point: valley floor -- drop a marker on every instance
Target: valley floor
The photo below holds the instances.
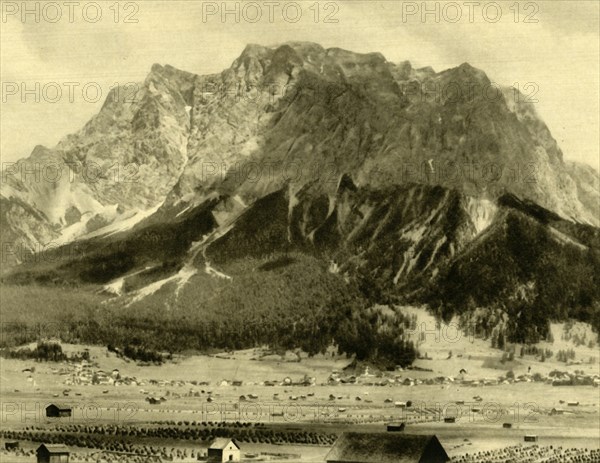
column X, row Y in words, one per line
column 208, row 393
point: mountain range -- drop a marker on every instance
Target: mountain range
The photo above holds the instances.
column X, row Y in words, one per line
column 204, row 193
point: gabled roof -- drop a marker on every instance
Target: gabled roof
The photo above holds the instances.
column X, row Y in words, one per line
column 222, row 442
column 60, row 406
column 54, row 448
column 385, row 448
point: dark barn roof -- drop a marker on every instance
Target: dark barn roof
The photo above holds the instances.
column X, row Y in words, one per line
column 53, row 448
column 60, row 406
column 396, row 426
column 354, row 447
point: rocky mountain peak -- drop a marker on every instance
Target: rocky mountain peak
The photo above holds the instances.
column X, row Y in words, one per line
column 301, row 114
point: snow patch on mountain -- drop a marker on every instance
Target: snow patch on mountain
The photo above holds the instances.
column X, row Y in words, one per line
column 180, row 279
column 481, row 212
column 214, row 272
column 126, row 223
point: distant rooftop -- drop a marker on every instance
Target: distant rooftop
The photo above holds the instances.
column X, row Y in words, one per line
column 55, row 448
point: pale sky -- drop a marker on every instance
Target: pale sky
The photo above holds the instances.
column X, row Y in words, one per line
column 559, row 54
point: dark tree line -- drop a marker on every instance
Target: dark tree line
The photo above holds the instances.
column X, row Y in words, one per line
column 44, row 351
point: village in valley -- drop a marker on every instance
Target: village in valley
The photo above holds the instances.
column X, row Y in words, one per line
column 461, row 402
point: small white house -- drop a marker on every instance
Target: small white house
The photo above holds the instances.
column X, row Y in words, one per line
column 224, row 449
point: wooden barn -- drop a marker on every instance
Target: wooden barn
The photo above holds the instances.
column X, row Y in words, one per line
column 224, row 449
column 58, row 410
column 52, row 453
column 357, row 447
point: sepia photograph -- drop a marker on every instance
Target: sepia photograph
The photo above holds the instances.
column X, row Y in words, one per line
column 311, row 231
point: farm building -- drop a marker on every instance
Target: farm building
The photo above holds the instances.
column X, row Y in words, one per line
column 396, row 427
column 11, row 445
column 58, row 410
column 530, row 438
column 223, row 449
column 507, row 425
column 450, row 419
column 386, row 448
column 52, row 453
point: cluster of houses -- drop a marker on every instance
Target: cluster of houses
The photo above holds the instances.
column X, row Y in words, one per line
column 563, row 378
column 554, row 378
column 167, row 382
column 287, row 381
column 397, row 380
column 84, row 373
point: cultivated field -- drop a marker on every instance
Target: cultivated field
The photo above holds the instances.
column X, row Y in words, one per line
column 176, row 407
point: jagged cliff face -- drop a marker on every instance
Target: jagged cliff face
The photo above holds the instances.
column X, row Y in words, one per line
column 118, row 167
column 138, row 140
column 298, row 113
column 587, row 182
column 297, row 118
column 391, row 234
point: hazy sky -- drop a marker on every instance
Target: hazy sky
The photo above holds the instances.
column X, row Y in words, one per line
column 559, row 54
